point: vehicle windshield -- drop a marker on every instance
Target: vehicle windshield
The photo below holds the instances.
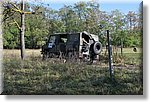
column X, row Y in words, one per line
column 51, row 41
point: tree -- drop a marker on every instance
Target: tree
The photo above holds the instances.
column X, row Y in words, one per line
column 10, row 8
column 82, row 16
column 1, row 40
column 36, row 28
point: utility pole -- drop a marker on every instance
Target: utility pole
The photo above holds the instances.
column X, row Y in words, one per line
column 22, row 30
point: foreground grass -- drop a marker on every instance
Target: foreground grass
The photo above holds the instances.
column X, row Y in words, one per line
column 33, row 76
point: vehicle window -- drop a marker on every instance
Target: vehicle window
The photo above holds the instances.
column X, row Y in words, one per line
column 63, row 40
column 73, row 38
column 52, row 39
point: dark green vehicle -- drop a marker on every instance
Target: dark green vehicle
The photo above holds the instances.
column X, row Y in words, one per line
column 80, row 45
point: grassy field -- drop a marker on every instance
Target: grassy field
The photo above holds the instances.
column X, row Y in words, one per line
column 34, row 76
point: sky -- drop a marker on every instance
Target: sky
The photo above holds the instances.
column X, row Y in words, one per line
column 105, row 5
column 123, row 7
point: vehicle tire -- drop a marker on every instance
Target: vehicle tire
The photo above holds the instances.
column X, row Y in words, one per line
column 97, row 48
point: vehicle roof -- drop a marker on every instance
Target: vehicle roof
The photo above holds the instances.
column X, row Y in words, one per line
column 84, row 32
column 72, row 33
column 64, row 33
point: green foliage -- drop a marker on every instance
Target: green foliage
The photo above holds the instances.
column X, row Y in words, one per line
column 11, row 37
column 79, row 17
column 132, row 40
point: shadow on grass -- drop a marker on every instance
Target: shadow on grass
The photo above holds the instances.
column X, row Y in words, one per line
column 47, row 78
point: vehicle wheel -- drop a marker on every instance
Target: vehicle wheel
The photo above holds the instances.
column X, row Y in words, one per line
column 97, row 48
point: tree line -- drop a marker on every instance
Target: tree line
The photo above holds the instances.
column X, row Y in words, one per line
column 125, row 29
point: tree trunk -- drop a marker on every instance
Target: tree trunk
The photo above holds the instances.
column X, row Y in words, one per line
column 22, row 42
column 121, row 47
column 1, row 52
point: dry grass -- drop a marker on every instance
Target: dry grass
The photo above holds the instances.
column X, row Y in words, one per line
column 36, row 52
column 125, row 50
column 34, row 76
column 16, row 53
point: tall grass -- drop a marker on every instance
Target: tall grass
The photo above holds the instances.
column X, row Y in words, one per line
column 34, row 76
